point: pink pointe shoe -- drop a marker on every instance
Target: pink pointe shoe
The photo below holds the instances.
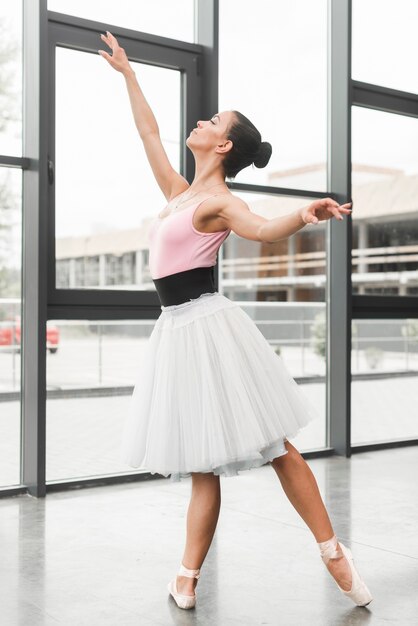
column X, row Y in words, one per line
column 358, row 593
column 182, row 600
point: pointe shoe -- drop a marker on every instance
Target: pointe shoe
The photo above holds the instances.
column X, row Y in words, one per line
column 182, row 600
column 359, row 592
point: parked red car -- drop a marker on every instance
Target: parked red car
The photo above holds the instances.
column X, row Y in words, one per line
column 8, row 328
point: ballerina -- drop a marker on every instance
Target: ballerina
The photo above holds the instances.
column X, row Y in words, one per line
column 212, row 397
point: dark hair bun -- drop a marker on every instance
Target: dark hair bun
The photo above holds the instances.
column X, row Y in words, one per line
column 263, row 155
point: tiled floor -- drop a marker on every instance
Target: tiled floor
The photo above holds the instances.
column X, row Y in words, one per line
column 104, row 555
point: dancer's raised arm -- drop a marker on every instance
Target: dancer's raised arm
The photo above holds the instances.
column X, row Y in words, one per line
column 170, row 182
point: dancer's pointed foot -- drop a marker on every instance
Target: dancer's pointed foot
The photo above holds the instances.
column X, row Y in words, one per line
column 183, row 592
column 340, row 563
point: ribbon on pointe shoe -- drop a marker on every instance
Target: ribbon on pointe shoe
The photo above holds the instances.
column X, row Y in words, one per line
column 328, row 549
column 190, row 573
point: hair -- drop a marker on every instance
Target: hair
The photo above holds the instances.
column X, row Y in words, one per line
column 247, row 147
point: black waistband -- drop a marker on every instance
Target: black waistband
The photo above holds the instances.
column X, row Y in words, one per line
column 183, row 286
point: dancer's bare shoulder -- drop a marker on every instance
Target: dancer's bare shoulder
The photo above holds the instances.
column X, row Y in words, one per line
column 233, row 213
column 215, row 212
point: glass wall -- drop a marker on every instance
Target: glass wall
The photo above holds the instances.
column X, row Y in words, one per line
column 166, row 18
column 275, row 73
column 281, row 286
column 385, row 46
column 90, row 377
column 385, row 203
column 106, row 194
column 384, row 358
column 10, row 241
column 11, row 78
column 10, row 323
column 384, row 364
column 273, row 68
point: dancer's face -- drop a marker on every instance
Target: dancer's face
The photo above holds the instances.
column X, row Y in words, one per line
column 211, row 135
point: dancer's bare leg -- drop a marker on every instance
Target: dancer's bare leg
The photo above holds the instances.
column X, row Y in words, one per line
column 202, row 517
column 302, row 490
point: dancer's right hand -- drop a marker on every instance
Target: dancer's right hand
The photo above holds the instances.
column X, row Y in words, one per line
column 118, row 60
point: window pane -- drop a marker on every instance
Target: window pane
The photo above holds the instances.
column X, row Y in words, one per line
column 385, row 45
column 290, row 270
column 88, row 396
column 384, row 364
column 167, row 18
column 11, row 78
column 274, row 71
column 10, row 323
column 281, row 286
column 385, row 209
column 105, row 191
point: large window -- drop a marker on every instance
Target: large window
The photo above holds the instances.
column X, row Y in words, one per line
column 166, row 18
column 106, row 194
column 385, row 230
column 384, row 365
column 10, row 241
column 91, row 370
column 11, row 78
column 90, row 184
column 10, row 324
column 385, row 203
column 282, row 287
column 385, row 45
column 275, row 73
column 273, row 68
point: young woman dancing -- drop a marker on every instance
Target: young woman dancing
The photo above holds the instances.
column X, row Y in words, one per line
column 212, row 397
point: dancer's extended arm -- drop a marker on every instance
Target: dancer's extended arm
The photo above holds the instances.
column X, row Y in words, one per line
column 236, row 215
column 170, row 182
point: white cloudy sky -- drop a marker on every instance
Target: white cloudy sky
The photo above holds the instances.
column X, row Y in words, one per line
column 272, row 68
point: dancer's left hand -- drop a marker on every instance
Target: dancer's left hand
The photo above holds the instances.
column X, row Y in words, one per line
column 323, row 209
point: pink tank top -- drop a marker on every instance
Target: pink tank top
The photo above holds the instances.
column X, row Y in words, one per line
column 176, row 246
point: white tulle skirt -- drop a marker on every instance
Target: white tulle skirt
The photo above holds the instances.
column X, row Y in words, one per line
column 211, row 394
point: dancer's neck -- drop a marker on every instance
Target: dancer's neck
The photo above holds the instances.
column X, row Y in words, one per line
column 207, row 176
